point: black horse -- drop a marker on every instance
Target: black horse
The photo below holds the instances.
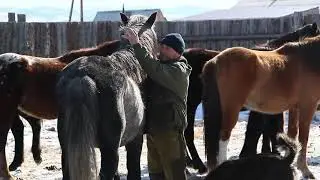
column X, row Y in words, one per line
column 269, row 126
column 100, row 105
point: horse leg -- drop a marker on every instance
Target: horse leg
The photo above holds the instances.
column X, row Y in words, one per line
column 305, row 118
column 294, row 114
column 110, row 128
column 7, row 120
column 196, row 161
column 4, row 174
column 61, row 136
column 189, row 132
column 276, row 126
column 266, row 142
column 134, row 149
column 109, row 161
column 267, row 133
column 17, row 131
column 36, row 128
column 229, row 120
column 253, row 133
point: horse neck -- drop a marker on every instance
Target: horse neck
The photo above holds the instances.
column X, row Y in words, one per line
column 307, row 51
column 104, row 49
column 276, row 43
column 198, row 57
column 126, row 62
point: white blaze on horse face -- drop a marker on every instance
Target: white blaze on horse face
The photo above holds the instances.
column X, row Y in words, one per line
column 223, row 147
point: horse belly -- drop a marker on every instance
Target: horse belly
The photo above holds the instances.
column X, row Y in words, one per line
column 39, row 106
column 272, row 103
column 133, row 110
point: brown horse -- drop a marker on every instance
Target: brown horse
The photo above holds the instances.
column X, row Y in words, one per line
column 27, row 84
column 258, row 123
column 264, row 81
column 105, row 48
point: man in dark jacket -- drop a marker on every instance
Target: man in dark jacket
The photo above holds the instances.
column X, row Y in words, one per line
column 166, row 106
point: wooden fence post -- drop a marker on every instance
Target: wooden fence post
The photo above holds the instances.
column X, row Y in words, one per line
column 11, row 17
column 21, row 17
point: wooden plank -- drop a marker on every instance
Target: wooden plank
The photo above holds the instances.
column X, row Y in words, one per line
column 22, row 43
column 53, row 39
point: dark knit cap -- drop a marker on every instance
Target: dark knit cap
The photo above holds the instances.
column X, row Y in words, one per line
column 175, row 41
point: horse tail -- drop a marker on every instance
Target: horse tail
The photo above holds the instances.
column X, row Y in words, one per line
column 292, row 146
column 81, row 117
column 212, row 112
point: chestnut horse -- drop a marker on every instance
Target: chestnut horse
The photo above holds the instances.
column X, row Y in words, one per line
column 258, row 123
column 44, row 68
column 264, row 81
column 27, row 89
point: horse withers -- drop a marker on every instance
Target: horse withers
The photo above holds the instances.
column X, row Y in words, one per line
column 264, row 81
column 100, row 105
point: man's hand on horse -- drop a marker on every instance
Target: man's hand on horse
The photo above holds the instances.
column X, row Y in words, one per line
column 131, row 36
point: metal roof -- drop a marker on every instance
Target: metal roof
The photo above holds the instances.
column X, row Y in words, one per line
column 115, row 15
column 248, row 9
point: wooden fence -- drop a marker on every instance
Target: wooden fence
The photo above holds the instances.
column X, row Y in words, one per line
column 53, row 39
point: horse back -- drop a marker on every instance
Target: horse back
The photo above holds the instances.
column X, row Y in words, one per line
column 263, row 78
column 40, row 77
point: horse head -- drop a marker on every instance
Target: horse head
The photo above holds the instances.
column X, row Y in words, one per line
column 144, row 27
column 309, row 30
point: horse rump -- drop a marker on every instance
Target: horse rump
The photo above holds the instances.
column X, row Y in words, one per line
column 77, row 126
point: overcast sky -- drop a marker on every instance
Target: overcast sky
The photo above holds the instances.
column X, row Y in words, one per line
column 58, row 10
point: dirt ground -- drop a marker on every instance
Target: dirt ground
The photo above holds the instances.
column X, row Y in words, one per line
column 50, row 168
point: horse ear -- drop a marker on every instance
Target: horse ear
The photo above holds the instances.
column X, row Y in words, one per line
column 124, row 19
column 151, row 20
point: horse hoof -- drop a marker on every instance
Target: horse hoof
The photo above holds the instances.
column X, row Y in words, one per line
column 14, row 166
column 37, row 156
column 202, row 170
column 309, row 176
column 38, row 160
column 36, row 152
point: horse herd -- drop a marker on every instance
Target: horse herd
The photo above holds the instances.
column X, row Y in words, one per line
column 97, row 94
